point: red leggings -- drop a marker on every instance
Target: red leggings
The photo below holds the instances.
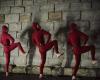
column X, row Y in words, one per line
column 8, row 49
column 78, row 52
column 43, row 51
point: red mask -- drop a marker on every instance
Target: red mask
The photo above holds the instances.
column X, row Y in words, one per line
column 35, row 26
column 4, row 28
column 73, row 26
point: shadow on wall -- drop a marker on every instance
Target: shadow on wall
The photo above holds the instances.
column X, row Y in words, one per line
column 61, row 35
column 28, row 32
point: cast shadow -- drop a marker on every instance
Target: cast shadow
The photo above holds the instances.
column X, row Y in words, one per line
column 28, row 32
column 62, row 33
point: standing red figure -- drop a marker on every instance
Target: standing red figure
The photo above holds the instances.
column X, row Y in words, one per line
column 8, row 45
column 78, row 41
column 38, row 40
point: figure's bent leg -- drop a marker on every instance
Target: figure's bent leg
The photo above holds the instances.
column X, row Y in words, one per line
column 14, row 45
column 51, row 44
column 54, row 44
column 89, row 48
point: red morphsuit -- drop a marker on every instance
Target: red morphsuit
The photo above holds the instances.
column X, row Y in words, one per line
column 38, row 40
column 77, row 40
column 8, row 45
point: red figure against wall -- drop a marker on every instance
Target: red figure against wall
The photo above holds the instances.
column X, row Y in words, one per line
column 77, row 40
column 8, row 45
column 38, row 40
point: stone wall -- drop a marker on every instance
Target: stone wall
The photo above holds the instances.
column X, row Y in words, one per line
column 53, row 16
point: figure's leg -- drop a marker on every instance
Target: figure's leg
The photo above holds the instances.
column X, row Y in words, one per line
column 14, row 45
column 54, row 44
column 43, row 60
column 7, row 57
column 76, row 66
column 89, row 48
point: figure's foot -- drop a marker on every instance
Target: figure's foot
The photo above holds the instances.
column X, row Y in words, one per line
column 6, row 74
column 94, row 61
column 41, row 76
column 73, row 77
column 59, row 54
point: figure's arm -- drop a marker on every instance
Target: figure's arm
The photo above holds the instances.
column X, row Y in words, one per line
column 11, row 38
column 48, row 34
column 84, row 37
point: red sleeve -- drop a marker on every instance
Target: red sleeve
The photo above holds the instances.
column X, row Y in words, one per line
column 84, row 37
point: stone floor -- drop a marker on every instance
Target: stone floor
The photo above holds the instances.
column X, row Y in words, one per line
column 13, row 76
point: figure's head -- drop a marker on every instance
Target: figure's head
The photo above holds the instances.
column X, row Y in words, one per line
column 4, row 28
column 73, row 26
column 35, row 26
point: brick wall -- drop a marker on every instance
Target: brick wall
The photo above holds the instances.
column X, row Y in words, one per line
column 53, row 16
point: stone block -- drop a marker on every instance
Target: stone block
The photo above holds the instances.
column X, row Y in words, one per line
column 17, row 9
column 7, row 3
column 32, row 9
column 55, row 1
column 4, row 10
column 40, row 2
column 19, row 70
column 43, row 16
column 2, row 18
column 62, row 7
column 14, row 53
column 80, row 6
column 94, row 25
column 86, row 0
column 18, row 2
column 20, row 60
column 10, row 18
column 55, row 16
column 96, row 5
column 15, row 27
column 91, row 15
column 72, row 0
column 27, row 2
column 71, row 15
column 25, row 17
column 47, row 7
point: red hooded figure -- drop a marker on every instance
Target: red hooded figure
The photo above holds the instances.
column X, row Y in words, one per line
column 77, row 40
column 8, row 45
column 38, row 40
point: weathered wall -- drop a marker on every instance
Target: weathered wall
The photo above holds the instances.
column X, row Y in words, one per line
column 53, row 16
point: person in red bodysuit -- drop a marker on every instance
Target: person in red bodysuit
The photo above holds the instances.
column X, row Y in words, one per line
column 77, row 40
column 38, row 40
column 8, row 45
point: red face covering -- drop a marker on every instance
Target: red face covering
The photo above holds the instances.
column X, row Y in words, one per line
column 35, row 26
column 73, row 26
column 4, row 28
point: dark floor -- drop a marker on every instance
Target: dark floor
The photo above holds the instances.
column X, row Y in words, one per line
column 13, row 76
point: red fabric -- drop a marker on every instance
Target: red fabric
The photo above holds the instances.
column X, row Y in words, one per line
column 38, row 40
column 75, row 39
column 8, row 44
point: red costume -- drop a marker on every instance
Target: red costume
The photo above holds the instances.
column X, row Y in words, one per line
column 38, row 40
column 78, row 40
column 8, row 45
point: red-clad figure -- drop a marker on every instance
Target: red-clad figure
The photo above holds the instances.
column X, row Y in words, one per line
column 77, row 40
column 38, row 40
column 8, row 45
